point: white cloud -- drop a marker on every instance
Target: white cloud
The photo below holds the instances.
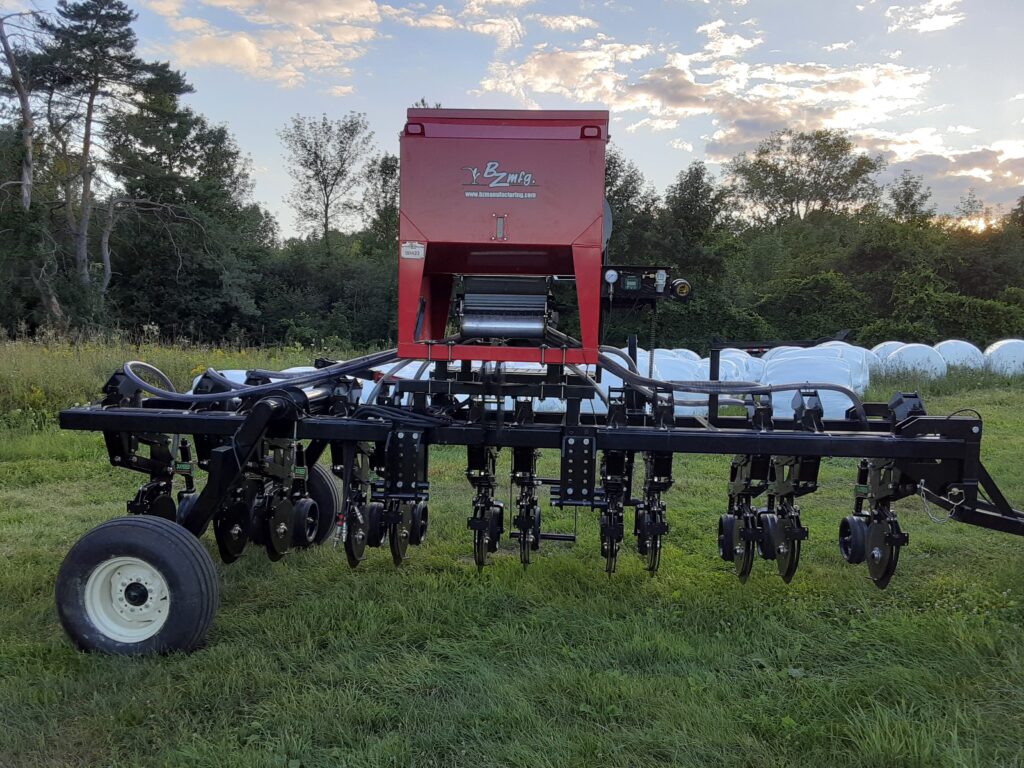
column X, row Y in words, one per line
column 439, row 18
column 965, row 130
column 838, row 46
column 681, row 144
column 487, row 7
column 188, row 24
column 721, row 45
column 286, row 43
column 932, row 16
column 508, row 32
column 340, row 90
column 653, row 124
column 236, row 51
column 304, row 13
column 563, row 23
column 591, row 73
column 1018, row 97
column 164, row 7
column 348, row 34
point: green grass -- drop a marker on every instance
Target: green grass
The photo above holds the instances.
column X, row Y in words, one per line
column 312, row 664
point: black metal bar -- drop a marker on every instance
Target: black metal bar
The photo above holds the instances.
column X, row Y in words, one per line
column 715, row 370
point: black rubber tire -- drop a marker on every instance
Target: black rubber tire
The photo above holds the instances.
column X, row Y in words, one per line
column 305, row 512
column 853, row 539
column 180, row 558
column 323, row 489
column 376, row 530
column 726, row 536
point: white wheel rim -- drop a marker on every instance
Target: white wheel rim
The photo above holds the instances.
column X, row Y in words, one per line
column 127, row 599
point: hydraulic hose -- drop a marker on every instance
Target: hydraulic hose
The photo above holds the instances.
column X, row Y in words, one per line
column 303, row 379
column 380, row 383
column 728, row 387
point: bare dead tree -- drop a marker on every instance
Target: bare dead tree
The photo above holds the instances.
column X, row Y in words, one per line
column 27, row 120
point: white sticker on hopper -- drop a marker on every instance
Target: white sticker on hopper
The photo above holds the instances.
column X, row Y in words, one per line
column 413, row 250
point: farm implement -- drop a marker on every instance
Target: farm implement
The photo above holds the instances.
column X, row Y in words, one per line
column 502, row 246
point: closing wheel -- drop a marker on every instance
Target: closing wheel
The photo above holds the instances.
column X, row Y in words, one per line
column 420, row 523
column 398, row 534
column 853, row 539
column 357, row 526
column 525, row 546
column 323, row 489
column 610, row 551
column 535, row 544
column 376, row 529
column 496, row 526
column 137, row 585
column 882, row 554
column 726, row 537
column 305, row 523
column 654, row 538
column 640, row 526
column 481, row 542
column 745, row 534
column 787, row 546
column 770, row 531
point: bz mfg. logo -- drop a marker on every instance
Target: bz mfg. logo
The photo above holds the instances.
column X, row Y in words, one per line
column 495, row 178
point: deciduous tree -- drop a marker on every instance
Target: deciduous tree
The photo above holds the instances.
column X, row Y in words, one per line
column 326, row 159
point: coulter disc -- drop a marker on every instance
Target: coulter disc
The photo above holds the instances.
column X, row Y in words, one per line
column 882, row 556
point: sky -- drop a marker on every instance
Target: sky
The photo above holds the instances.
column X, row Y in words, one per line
column 935, row 86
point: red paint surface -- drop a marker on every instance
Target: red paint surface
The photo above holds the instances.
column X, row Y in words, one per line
column 537, row 171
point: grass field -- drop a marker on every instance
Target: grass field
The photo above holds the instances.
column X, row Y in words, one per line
column 312, row 664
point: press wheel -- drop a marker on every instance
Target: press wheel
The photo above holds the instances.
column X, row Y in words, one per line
column 853, row 539
column 376, row 529
column 771, row 529
column 727, row 525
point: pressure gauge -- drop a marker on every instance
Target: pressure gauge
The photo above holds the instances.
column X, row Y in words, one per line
column 611, row 276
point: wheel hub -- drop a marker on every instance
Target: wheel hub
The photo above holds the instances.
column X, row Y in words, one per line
column 127, row 599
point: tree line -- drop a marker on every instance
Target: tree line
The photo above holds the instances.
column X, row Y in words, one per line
column 123, row 209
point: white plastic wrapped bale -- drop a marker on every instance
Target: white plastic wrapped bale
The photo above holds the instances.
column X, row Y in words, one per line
column 684, row 370
column 885, row 349
column 727, row 370
column 961, row 354
column 234, row 375
column 687, row 354
column 844, row 355
column 1006, row 357
column 810, row 368
column 774, row 352
column 755, row 368
column 608, row 381
column 739, row 358
column 859, row 359
column 660, row 354
column 916, row 360
column 875, row 363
